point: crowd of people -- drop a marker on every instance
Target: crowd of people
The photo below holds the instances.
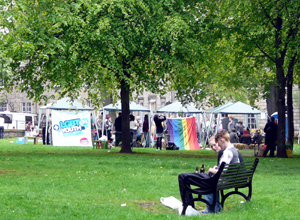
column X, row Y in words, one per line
column 139, row 129
column 239, row 134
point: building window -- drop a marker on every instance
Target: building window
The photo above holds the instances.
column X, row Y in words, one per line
column 26, row 107
column 3, row 107
column 141, row 101
column 251, row 121
column 153, row 105
column 88, row 103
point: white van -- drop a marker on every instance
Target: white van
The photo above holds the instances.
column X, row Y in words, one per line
column 18, row 121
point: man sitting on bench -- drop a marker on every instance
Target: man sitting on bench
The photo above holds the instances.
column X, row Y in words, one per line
column 230, row 155
column 216, row 148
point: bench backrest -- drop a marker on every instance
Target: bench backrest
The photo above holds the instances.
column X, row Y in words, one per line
column 238, row 175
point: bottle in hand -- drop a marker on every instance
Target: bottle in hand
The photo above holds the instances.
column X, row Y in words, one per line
column 197, row 170
column 202, row 170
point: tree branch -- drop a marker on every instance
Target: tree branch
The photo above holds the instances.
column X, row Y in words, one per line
column 273, row 60
column 267, row 15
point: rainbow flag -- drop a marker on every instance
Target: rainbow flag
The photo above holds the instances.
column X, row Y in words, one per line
column 183, row 133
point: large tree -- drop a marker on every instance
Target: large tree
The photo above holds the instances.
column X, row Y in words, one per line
column 270, row 28
column 262, row 37
column 98, row 45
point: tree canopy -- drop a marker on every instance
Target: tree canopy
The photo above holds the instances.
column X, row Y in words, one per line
column 272, row 29
column 198, row 48
column 94, row 46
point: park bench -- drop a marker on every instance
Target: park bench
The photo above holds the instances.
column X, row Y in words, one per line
column 229, row 176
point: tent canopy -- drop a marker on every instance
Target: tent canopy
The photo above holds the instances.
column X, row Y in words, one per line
column 177, row 107
column 235, row 108
column 66, row 104
column 216, row 109
column 132, row 107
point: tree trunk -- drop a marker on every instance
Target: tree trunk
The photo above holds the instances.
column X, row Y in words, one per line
column 281, row 152
column 126, row 148
column 280, row 99
column 271, row 100
column 290, row 110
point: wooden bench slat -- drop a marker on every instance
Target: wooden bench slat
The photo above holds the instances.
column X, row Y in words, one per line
column 234, row 181
column 224, row 176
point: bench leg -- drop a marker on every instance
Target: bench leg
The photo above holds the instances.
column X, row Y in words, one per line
column 247, row 198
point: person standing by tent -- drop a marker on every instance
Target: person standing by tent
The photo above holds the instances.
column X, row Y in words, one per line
column 158, row 119
column 108, row 127
column 1, row 127
column 118, row 128
column 94, row 132
column 146, row 130
column 231, row 124
column 233, row 136
column 133, row 129
column 139, row 131
column 271, row 137
column 99, row 125
column 240, row 128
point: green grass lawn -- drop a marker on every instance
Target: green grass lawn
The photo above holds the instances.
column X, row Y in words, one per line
column 46, row 182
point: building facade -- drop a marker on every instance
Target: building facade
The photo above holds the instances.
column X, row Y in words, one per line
column 18, row 102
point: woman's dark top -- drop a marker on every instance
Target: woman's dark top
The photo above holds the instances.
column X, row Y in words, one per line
column 158, row 121
column 245, row 139
column 145, row 126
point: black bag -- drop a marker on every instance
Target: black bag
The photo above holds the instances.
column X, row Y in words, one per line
column 172, row 146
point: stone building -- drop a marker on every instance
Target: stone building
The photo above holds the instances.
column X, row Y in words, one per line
column 18, row 102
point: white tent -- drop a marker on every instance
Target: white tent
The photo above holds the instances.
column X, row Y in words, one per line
column 178, row 107
column 233, row 108
column 132, row 107
column 64, row 104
